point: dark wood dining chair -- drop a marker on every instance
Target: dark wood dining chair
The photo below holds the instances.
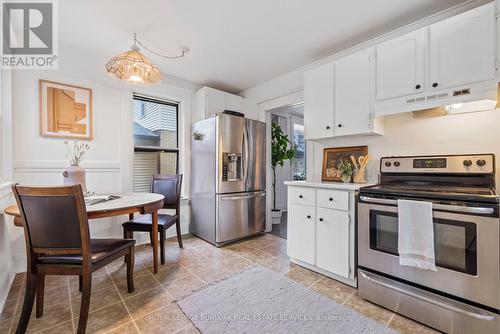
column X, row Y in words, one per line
column 56, row 231
column 170, row 187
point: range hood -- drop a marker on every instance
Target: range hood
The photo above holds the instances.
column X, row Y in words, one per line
column 487, row 101
column 458, row 97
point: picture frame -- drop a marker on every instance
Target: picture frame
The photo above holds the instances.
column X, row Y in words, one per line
column 65, row 110
column 332, row 156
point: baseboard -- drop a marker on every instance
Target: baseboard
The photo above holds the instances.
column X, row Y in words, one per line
column 5, row 285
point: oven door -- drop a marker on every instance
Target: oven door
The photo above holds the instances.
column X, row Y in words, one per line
column 466, row 242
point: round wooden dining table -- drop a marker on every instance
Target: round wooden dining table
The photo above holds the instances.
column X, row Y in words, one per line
column 130, row 203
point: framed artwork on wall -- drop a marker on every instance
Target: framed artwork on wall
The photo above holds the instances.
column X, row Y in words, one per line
column 333, row 156
column 65, row 110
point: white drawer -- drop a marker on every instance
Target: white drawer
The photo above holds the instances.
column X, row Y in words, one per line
column 302, row 195
column 333, row 199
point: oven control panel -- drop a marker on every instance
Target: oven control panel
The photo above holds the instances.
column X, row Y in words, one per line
column 468, row 164
column 430, row 163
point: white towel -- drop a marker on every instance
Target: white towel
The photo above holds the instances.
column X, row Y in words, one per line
column 416, row 235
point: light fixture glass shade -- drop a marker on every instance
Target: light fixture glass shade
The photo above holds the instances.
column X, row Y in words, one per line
column 134, row 67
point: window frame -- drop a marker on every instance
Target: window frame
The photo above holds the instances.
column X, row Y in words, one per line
column 145, row 98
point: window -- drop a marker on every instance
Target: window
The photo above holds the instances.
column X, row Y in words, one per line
column 156, row 140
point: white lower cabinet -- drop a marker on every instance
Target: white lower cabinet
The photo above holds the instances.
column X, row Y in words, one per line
column 321, row 230
column 301, row 232
column 332, row 241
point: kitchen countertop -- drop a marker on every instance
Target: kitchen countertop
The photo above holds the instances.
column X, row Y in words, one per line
column 329, row 185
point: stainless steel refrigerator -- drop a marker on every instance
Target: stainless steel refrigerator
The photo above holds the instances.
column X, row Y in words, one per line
column 228, row 178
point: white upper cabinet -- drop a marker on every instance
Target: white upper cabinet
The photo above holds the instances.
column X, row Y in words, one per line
column 318, row 103
column 210, row 101
column 401, row 66
column 354, row 94
column 339, row 98
column 234, row 102
column 215, row 101
column 462, row 48
column 448, row 62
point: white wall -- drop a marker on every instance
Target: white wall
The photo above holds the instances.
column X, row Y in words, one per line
column 109, row 163
column 9, row 235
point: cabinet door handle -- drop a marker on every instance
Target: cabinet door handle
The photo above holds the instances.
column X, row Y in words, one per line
column 340, row 125
column 328, row 127
column 300, row 196
column 435, row 85
column 417, row 87
column 331, row 199
column 308, row 216
column 321, row 219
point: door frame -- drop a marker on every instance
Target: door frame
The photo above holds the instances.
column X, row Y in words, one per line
column 265, row 109
column 291, row 119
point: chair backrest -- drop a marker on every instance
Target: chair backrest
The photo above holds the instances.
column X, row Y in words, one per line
column 54, row 218
column 170, row 187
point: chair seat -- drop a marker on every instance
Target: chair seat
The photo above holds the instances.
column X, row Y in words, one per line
column 101, row 249
column 143, row 223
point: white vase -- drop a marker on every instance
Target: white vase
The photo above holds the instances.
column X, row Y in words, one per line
column 346, row 179
column 75, row 175
column 276, row 217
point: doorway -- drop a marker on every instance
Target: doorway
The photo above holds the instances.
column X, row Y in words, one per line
column 291, row 121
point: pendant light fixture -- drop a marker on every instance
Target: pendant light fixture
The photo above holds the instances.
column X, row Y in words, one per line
column 134, row 67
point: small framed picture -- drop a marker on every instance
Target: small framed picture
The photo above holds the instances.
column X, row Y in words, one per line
column 65, row 110
column 333, row 156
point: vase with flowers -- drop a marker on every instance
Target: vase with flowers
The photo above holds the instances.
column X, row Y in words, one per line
column 75, row 174
column 346, row 170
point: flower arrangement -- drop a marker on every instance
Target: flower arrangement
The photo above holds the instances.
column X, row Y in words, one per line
column 346, row 170
column 76, row 152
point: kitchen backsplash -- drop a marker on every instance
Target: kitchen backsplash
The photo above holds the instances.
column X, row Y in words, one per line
column 453, row 134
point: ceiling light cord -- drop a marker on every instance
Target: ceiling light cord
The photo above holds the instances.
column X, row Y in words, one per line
column 183, row 50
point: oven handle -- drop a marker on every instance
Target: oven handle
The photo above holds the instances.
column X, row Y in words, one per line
column 454, row 208
column 438, row 303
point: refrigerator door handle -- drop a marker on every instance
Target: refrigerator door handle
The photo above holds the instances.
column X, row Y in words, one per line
column 246, row 155
column 245, row 196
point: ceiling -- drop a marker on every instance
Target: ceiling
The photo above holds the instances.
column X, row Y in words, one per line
column 235, row 44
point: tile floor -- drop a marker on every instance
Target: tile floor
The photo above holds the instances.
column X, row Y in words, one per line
column 152, row 308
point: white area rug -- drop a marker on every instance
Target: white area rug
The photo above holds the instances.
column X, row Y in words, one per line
column 258, row 300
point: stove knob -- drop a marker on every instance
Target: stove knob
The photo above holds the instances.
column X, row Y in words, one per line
column 481, row 163
column 388, row 164
column 397, row 164
column 467, row 163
